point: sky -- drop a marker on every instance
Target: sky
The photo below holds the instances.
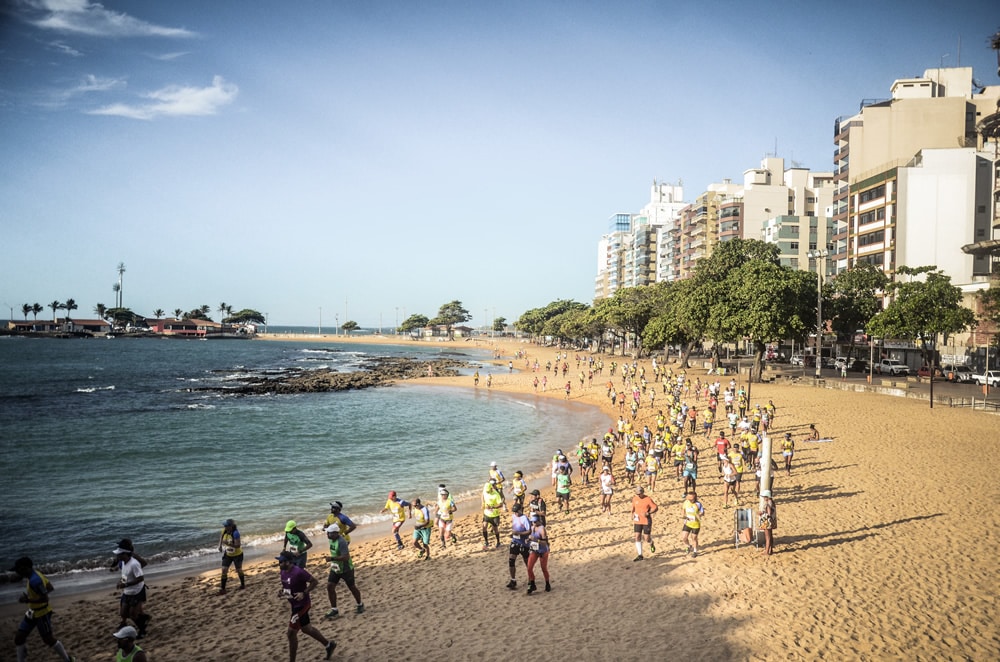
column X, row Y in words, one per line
column 325, row 161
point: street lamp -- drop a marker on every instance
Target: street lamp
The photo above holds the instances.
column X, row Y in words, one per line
column 818, row 255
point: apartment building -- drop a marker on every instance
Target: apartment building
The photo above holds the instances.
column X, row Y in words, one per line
column 912, row 182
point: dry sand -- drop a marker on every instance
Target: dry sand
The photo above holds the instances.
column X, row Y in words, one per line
column 886, row 549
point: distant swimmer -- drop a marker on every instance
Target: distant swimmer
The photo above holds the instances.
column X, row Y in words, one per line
column 39, row 615
column 232, row 554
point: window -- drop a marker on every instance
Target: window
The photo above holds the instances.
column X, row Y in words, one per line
column 794, row 263
column 793, row 230
column 873, row 193
column 981, row 209
column 794, row 246
column 812, row 245
column 871, row 238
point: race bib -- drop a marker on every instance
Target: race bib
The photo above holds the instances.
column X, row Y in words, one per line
column 534, row 545
column 30, row 614
column 230, row 550
column 286, row 593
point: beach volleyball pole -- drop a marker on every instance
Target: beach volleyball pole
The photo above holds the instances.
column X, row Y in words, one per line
column 765, row 476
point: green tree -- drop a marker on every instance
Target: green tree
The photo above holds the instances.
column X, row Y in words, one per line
column 450, row 314
column 989, row 304
column 499, row 324
column 116, row 288
column 55, row 305
column 121, row 317
column 199, row 313
column 178, row 313
column 158, row 313
column 26, row 308
column 222, row 311
column 245, row 316
column 413, row 322
column 533, row 321
column 35, row 309
column 349, row 326
column 69, row 306
column 121, row 291
column 674, row 322
column 100, row 310
column 855, row 298
column 923, row 306
column 628, row 311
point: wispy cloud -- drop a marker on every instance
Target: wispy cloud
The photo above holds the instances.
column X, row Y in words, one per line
column 64, row 48
column 55, row 99
column 93, row 19
column 168, row 57
column 175, row 100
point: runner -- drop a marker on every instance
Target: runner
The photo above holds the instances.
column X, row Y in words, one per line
column 492, row 501
column 538, row 544
column 422, row 529
column 693, row 512
column 342, row 521
column 607, row 488
column 398, row 508
column 446, row 515
column 128, row 651
column 520, row 527
column 729, row 479
column 341, row 568
column 296, row 585
column 563, row 482
column 537, row 505
column 296, row 542
column 232, row 554
column 133, row 588
column 519, row 488
column 642, row 521
column 39, row 615
column 787, row 451
column 768, row 521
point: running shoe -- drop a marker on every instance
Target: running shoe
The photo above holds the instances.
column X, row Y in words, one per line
column 512, row 584
column 330, row 648
column 360, row 609
column 333, row 613
column 638, row 558
column 652, row 548
column 454, row 539
column 548, row 587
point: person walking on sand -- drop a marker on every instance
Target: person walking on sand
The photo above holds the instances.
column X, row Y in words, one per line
column 341, row 568
column 128, row 651
column 569, row 387
column 768, row 521
column 693, row 512
column 537, row 505
column 518, row 488
column 343, row 522
column 297, row 543
column 232, row 554
column 729, row 479
column 133, row 587
column 787, row 452
column 607, row 480
column 398, row 508
column 445, row 515
column 538, row 546
column 520, row 528
column 422, row 529
column 39, row 615
column 563, row 482
column 296, row 585
column 643, row 508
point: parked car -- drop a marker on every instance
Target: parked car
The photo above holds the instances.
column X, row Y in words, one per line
column 796, row 359
column 925, row 371
column 960, row 374
column 859, row 365
column 990, row 376
column 891, row 367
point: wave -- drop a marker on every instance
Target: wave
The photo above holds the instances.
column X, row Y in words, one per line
column 94, row 389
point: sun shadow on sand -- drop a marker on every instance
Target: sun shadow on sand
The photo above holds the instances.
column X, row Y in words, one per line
column 815, row 493
column 792, row 543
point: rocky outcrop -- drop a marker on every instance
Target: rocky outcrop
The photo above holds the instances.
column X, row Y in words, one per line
column 381, row 371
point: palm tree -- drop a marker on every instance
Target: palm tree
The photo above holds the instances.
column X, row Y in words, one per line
column 36, row 308
column 158, row 313
column 100, row 310
column 222, row 311
column 116, row 288
column 121, row 293
column 178, row 312
column 69, row 306
column 26, row 308
column 205, row 309
column 55, row 305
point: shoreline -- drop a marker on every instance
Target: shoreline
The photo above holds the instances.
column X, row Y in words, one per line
column 861, row 531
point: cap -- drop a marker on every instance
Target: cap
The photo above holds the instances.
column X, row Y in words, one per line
column 493, row 464
column 229, row 522
column 285, row 556
column 442, row 490
column 121, row 550
column 518, row 473
column 333, row 528
column 336, row 504
column 392, row 494
column 126, row 543
column 23, row 562
column 127, row 632
column 535, row 493
column 534, row 517
column 517, row 508
column 766, row 493
column 290, row 526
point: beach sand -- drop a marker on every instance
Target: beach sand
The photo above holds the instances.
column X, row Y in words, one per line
column 886, row 549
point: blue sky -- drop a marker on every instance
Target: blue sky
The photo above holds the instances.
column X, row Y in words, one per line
column 376, row 159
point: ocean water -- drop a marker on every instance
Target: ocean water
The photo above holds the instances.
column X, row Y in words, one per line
column 104, row 439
